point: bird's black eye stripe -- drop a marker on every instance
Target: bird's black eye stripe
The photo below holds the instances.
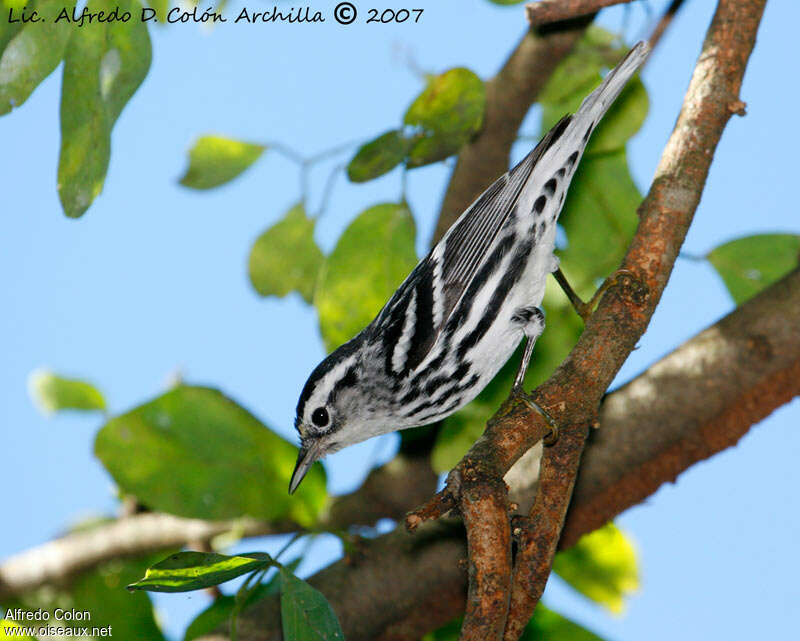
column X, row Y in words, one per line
column 320, row 417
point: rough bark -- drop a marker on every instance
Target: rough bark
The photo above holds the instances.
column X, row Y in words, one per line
column 577, row 386
column 666, row 416
column 385, row 494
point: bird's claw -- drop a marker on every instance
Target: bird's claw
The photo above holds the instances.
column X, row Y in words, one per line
column 519, row 395
column 585, row 310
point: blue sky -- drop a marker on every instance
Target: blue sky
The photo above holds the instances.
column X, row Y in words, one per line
column 152, row 280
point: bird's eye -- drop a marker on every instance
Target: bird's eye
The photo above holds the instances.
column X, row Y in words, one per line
column 320, row 417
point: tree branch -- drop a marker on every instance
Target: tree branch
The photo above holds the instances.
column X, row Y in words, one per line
column 622, row 316
column 695, row 402
column 388, row 594
column 549, row 11
column 667, row 212
column 509, row 97
column 664, row 22
column 653, row 428
column 611, row 334
column 486, row 516
column 386, row 493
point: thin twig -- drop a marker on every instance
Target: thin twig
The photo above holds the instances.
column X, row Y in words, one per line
column 334, row 151
column 664, row 22
column 286, row 151
column 328, row 189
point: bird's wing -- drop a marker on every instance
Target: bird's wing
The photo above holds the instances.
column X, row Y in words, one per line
column 411, row 321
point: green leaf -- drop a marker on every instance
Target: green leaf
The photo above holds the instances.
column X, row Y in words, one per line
column 104, row 65
column 211, row 618
column 187, row 571
column 196, row 453
column 214, row 160
column 748, row 265
column 224, row 607
column 624, row 118
column 372, row 257
column 52, row 393
column 547, row 624
column 306, row 614
column 447, row 113
column 580, row 71
column 599, row 219
column 32, row 53
column 602, row 566
column 161, row 8
column 377, row 157
column 285, row 258
column 7, row 31
column 102, row 593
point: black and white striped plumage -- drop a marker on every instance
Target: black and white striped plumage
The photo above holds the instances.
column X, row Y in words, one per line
column 460, row 314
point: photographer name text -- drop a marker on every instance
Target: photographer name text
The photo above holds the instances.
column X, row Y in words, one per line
column 344, row 13
column 39, row 623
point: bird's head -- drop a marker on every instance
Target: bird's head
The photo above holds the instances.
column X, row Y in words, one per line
column 334, row 408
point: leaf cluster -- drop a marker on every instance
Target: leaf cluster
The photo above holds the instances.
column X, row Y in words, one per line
column 195, row 452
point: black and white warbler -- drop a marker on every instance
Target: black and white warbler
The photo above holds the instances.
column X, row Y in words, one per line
column 460, row 314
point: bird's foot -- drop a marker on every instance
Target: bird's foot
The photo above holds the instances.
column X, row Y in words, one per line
column 518, row 395
column 621, row 277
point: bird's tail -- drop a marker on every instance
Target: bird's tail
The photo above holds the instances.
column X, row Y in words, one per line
column 597, row 103
column 551, row 164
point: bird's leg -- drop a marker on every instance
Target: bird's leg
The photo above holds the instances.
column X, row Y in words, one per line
column 523, row 365
column 519, row 393
column 585, row 310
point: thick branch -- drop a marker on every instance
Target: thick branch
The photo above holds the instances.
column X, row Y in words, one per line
column 699, row 400
column 400, row 588
column 58, row 560
column 652, row 429
column 509, row 96
column 538, row 536
column 486, row 517
column 664, row 219
column 548, row 11
column 387, row 493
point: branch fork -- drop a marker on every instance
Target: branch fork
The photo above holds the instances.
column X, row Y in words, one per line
column 502, row 599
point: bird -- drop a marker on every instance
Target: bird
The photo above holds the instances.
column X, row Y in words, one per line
column 463, row 310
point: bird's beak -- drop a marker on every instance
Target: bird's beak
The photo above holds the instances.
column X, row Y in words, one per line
column 305, row 459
